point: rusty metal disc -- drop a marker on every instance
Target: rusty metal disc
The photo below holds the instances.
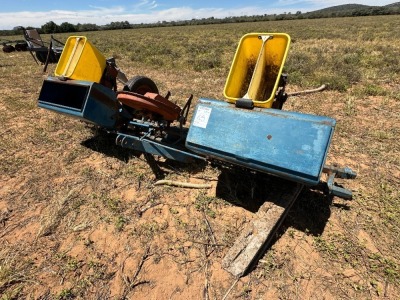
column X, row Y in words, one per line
column 152, row 102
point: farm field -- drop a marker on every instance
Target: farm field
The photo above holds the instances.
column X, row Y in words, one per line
column 81, row 218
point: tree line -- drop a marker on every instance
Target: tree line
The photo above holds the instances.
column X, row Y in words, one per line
column 333, row 12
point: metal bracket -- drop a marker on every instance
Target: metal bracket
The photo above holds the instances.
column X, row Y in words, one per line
column 185, row 111
column 281, row 96
column 146, row 145
column 335, row 172
column 244, row 103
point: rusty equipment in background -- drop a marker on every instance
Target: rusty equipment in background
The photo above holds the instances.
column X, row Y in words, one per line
column 249, row 130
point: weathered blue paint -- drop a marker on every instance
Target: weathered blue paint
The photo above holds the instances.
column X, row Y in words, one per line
column 89, row 101
column 287, row 144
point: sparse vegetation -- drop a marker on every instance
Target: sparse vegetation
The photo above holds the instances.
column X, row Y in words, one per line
column 80, row 218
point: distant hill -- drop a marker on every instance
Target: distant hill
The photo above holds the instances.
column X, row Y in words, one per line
column 344, row 7
column 350, row 10
column 397, row 4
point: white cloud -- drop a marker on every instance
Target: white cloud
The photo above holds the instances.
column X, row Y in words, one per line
column 115, row 9
column 145, row 4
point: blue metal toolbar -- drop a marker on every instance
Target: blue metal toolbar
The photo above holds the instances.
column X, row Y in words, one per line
column 287, row 144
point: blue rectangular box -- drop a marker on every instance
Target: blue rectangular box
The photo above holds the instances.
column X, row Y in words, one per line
column 286, row 144
column 85, row 100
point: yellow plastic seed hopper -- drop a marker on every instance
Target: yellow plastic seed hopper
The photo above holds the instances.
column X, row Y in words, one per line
column 257, row 67
column 80, row 60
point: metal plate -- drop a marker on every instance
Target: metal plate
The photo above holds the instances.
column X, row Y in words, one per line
column 287, row 144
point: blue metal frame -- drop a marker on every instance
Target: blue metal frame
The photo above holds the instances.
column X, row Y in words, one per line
column 156, row 148
column 287, row 144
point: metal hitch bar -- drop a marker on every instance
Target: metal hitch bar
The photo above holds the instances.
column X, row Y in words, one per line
column 336, row 172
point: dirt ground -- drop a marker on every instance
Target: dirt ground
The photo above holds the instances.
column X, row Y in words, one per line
column 81, row 218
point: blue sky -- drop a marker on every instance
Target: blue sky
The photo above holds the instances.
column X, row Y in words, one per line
column 36, row 13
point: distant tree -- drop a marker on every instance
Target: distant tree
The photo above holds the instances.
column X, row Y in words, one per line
column 126, row 25
column 118, row 25
column 50, row 27
column 87, row 27
column 67, row 27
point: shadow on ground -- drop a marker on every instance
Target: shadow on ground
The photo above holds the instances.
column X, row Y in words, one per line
column 238, row 186
column 309, row 213
column 105, row 143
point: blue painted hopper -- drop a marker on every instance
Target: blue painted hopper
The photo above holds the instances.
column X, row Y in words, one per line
column 86, row 100
column 286, row 144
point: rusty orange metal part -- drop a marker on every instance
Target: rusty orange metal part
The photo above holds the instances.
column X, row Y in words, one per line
column 151, row 102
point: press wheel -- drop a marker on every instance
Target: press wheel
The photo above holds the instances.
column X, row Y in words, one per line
column 141, row 85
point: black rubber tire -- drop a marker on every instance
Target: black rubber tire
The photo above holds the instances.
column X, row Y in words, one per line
column 140, row 85
column 21, row 46
column 8, row 48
